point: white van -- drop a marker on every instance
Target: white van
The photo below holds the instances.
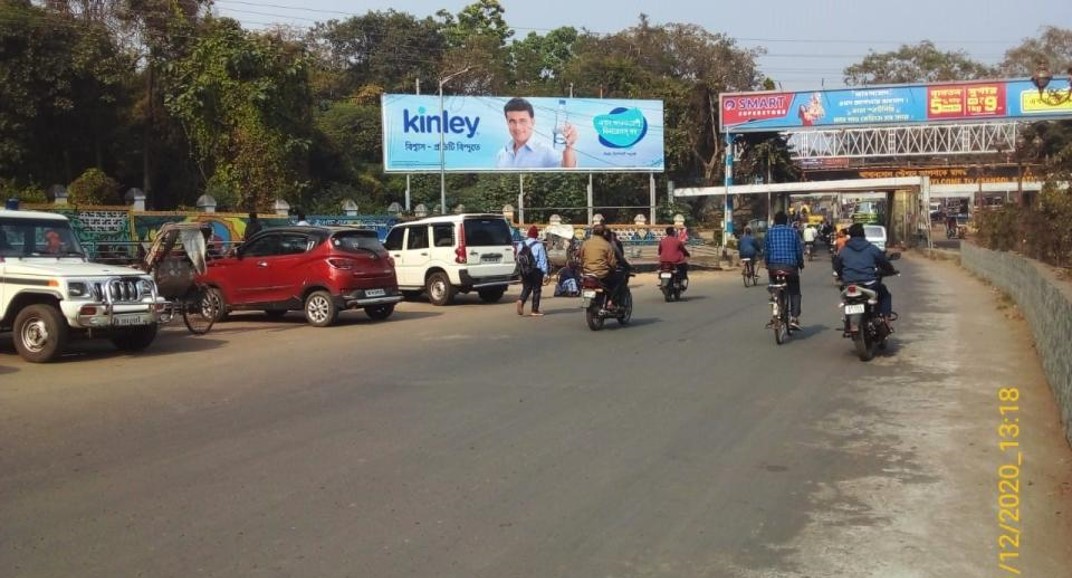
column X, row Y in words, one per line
column 876, row 235
column 451, row 254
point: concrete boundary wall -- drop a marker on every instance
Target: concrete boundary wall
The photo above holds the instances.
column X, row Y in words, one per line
column 1047, row 305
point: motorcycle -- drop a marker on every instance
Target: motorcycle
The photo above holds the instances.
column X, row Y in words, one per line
column 671, row 282
column 862, row 322
column 594, row 302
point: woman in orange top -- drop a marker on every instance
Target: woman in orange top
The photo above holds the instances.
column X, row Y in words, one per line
column 842, row 238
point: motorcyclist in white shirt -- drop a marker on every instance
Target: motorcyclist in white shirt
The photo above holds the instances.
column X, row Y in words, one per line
column 810, row 234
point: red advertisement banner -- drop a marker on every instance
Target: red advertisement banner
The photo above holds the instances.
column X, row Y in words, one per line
column 759, row 106
column 966, row 100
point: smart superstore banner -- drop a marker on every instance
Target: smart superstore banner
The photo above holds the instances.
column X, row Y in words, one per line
column 900, row 104
column 521, row 134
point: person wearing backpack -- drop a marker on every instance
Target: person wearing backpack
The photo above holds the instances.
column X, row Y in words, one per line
column 532, row 263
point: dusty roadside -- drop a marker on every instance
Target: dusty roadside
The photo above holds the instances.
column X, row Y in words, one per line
column 937, row 510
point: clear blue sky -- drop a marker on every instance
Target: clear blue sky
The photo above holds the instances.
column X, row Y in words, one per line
column 808, row 44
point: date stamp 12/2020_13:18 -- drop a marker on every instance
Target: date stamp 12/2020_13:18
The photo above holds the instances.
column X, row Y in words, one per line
column 1012, row 459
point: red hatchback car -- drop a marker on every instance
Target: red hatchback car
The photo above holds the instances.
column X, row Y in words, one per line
column 319, row 270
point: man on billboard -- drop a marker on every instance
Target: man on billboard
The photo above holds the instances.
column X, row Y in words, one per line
column 523, row 151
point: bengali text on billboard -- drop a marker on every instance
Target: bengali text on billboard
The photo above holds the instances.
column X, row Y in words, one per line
column 870, row 105
column 523, row 134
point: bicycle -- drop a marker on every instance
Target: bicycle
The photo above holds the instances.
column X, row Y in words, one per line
column 779, row 308
column 177, row 256
column 748, row 271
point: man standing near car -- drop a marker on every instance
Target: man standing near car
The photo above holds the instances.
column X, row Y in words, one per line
column 532, row 281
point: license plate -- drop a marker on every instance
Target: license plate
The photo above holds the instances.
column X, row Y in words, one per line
column 490, row 258
column 853, row 309
column 132, row 319
column 375, row 292
column 588, row 294
column 665, row 275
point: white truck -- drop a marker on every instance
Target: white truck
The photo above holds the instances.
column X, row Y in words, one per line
column 49, row 291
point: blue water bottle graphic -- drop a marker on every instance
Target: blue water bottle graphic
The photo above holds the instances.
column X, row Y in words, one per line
column 560, row 124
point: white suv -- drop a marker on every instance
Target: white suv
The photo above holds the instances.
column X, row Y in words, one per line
column 49, row 290
column 449, row 254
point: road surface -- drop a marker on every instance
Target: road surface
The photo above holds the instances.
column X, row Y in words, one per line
column 467, row 441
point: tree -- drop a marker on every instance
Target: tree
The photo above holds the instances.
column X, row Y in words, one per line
column 243, row 100
column 911, row 64
column 62, row 94
column 389, row 49
column 93, row 187
column 1053, row 48
column 538, row 63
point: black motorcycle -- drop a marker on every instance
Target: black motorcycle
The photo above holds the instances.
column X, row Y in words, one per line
column 594, row 301
column 671, row 282
column 863, row 325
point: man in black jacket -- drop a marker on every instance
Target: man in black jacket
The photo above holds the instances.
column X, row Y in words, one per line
column 861, row 263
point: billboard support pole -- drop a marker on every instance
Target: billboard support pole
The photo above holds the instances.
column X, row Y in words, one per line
column 651, row 186
column 442, row 144
column 591, row 211
column 521, row 198
column 727, row 226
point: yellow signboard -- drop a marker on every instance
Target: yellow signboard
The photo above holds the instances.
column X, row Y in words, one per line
column 1032, row 102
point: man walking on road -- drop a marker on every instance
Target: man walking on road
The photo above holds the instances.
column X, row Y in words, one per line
column 532, row 274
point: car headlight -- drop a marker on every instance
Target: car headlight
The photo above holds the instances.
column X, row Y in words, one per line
column 78, row 290
column 146, row 287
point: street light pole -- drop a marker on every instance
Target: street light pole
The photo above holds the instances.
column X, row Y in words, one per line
column 442, row 142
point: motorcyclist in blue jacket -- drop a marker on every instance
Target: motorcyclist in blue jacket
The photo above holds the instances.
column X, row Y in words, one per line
column 862, row 263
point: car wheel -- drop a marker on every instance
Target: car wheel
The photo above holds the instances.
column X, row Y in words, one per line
column 379, row 312
column 222, row 311
column 135, row 338
column 440, row 291
column 320, row 309
column 492, row 295
column 40, row 333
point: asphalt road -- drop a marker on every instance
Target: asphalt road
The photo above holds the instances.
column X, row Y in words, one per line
column 467, row 441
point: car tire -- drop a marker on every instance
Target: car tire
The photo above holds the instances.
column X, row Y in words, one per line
column 379, row 312
column 440, row 291
column 40, row 333
column 320, row 309
column 222, row 311
column 135, row 338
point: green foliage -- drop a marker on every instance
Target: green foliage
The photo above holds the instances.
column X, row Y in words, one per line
column 61, row 92
column 1053, row 46
column 244, row 101
column 93, row 187
column 30, row 194
column 1040, row 232
column 389, row 49
column 920, row 63
column 1049, row 237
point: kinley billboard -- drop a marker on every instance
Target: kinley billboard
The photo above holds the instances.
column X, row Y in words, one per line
column 901, row 104
column 505, row 134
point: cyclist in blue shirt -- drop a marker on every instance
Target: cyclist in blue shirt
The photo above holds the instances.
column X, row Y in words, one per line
column 785, row 253
column 748, row 248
